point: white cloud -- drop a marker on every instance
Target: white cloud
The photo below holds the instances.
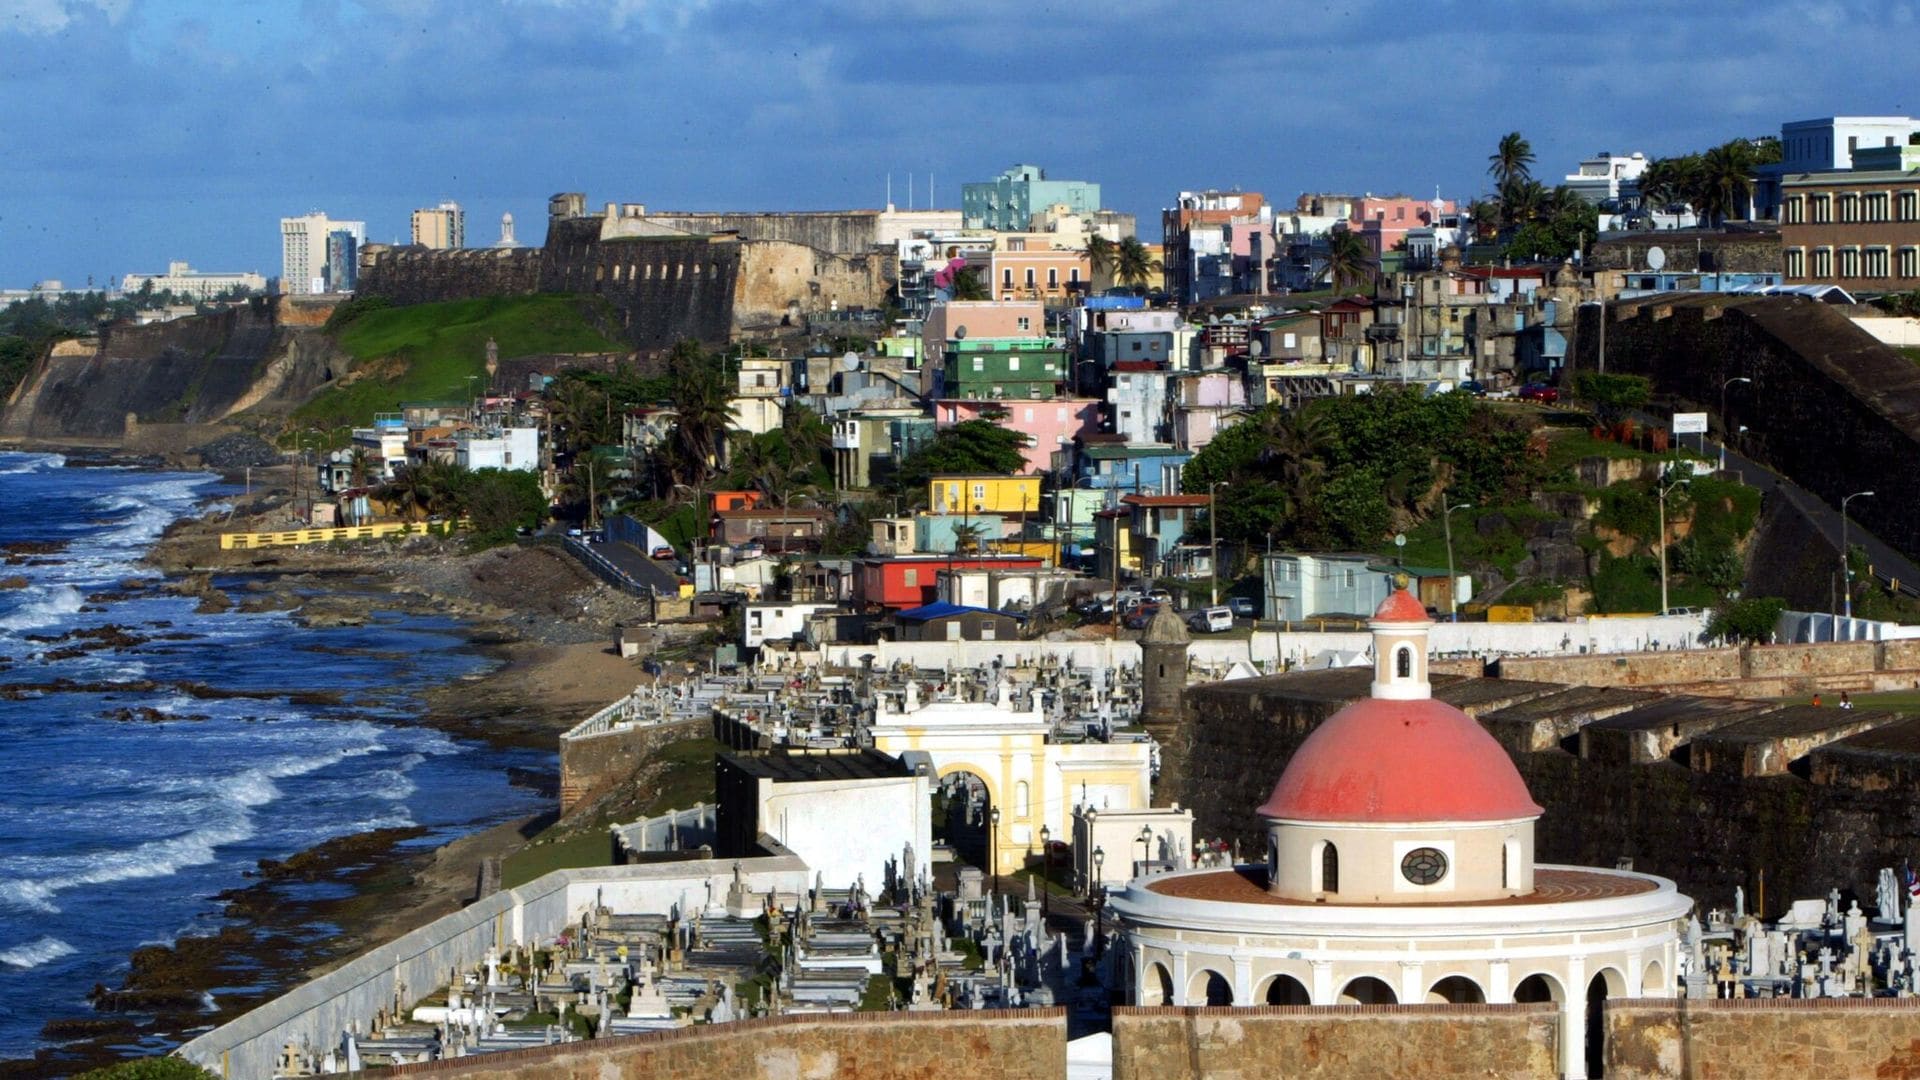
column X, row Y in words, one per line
column 42, row 17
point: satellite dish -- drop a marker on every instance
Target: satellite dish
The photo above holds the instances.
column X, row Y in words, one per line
column 1656, row 258
column 850, row 362
column 959, row 333
column 1399, row 540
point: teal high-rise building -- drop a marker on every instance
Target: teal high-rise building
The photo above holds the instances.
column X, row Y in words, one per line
column 1008, row 202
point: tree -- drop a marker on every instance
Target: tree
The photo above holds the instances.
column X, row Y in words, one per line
column 703, row 400
column 1511, row 161
column 966, row 286
column 1349, row 262
column 971, row 446
column 1749, row 621
column 1134, row 265
column 1723, row 187
column 497, row 502
column 1102, row 255
column 150, row 1068
column 1613, row 397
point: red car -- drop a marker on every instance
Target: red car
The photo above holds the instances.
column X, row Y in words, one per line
column 1540, row 392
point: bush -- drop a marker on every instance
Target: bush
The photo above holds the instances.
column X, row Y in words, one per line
column 1746, row 620
column 153, row 1068
column 346, row 313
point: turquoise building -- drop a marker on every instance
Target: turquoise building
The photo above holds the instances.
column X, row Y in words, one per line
column 1008, row 202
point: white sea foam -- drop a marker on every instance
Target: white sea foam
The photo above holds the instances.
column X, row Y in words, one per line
column 27, row 463
column 35, row 953
column 46, row 610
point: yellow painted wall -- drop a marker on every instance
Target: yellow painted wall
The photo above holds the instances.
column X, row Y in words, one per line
column 995, row 495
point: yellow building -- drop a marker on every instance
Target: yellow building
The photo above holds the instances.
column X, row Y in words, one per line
column 984, row 494
column 1031, row 783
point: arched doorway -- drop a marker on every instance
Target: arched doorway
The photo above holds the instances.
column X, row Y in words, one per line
column 1367, row 990
column 1456, row 990
column 1653, row 982
column 1536, row 989
column 1286, row 990
column 1209, row 987
column 963, row 817
column 1608, row 983
column 1156, row 986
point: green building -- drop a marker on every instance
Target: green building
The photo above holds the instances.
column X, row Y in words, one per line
column 979, row 369
column 1008, row 202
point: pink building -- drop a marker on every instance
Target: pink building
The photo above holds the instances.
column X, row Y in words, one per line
column 1383, row 221
column 1049, row 425
column 981, row 319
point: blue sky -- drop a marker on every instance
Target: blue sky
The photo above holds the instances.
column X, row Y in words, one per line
column 140, row 131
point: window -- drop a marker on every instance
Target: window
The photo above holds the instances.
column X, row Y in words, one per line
column 1794, row 210
column 1820, row 209
column 979, row 364
column 979, row 492
column 1849, row 262
column 1909, row 262
column 1053, row 277
column 1795, row 262
column 911, row 578
column 1349, row 579
column 1876, row 206
column 953, row 630
column 1849, row 207
column 1026, row 323
column 1073, row 275
column 1289, row 340
column 1876, row 262
column 1029, row 416
column 1029, row 277
column 1403, row 663
column 1424, row 866
column 1823, row 262
column 1907, row 206
column 1020, row 807
column 1013, row 363
column 1329, row 869
column 1006, row 278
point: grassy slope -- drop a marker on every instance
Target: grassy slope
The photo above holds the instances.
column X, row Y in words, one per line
column 428, row 350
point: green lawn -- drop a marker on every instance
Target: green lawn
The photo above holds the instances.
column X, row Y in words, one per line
column 1912, row 352
column 1894, row 700
column 1564, row 448
column 593, row 847
column 427, row 351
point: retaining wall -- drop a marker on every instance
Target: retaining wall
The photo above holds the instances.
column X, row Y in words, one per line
column 1348, row 1042
column 1763, row 1039
column 995, row 1044
column 590, row 764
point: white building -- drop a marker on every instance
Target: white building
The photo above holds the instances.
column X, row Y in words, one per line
column 1825, row 145
column 1607, row 176
column 303, row 252
column 1137, row 400
column 184, row 280
column 1399, row 870
column 849, row 814
column 515, row 448
column 780, row 621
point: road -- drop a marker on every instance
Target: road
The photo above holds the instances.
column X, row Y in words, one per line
column 632, row 563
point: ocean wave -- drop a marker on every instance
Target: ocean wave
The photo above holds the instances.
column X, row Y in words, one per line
column 15, row 464
column 35, row 953
column 47, row 610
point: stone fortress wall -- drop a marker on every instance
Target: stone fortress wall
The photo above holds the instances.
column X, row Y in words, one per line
column 992, row 1044
column 664, row 284
column 1762, row 1039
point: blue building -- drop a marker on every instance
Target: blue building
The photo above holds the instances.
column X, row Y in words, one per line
column 342, row 271
column 1008, row 202
column 1146, row 468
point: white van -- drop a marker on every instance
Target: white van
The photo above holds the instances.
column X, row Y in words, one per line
column 1211, row 620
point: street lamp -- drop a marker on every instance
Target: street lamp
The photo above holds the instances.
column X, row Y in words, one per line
column 1046, row 869
column 1099, row 901
column 1146, row 846
column 1846, row 568
column 993, row 845
column 1213, row 536
column 1663, row 538
column 1446, row 526
column 1723, row 414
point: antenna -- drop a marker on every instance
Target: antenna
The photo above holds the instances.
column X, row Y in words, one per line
column 909, row 191
column 889, row 191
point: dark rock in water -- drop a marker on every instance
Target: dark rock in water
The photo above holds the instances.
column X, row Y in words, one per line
column 238, row 451
column 14, row 582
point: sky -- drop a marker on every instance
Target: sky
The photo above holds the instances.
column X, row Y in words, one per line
column 143, row 131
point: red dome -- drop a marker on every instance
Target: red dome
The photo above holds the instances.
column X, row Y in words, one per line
column 1383, row 761
column 1402, row 606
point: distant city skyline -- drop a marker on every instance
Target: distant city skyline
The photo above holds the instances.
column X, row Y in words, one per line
column 151, row 132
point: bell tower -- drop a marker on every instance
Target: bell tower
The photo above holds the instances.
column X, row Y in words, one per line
column 1400, row 647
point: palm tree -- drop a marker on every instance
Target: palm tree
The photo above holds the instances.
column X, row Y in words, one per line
column 1522, row 200
column 1512, row 161
column 1661, row 183
column 1484, row 214
column 1562, row 201
column 1349, row 261
column 702, row 400
column 1102, row 255
column 359, row 465
column 966, row 286
column 1134, row 264
column 1724, row 185
column 807, row 436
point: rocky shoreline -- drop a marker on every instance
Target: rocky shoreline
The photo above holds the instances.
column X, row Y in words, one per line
column 541, row 618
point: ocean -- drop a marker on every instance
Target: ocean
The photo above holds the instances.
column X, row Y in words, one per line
column 118, row 832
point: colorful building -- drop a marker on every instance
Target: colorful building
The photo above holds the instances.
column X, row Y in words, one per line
column 1050, row 426
column 984, row 494
column 1006, row 368
column 901, row 582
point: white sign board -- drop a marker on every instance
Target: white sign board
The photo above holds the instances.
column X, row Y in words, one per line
column 1689, row 423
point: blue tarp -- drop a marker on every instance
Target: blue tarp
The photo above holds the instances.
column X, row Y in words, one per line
column 942, row 609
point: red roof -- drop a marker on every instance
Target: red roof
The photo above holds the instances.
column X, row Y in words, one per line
column 1165, row 500
column 1380, row 760
column 1401, row 607
column 1135, row 365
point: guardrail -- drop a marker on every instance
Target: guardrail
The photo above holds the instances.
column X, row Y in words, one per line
column 294, row 537
column 606, row 569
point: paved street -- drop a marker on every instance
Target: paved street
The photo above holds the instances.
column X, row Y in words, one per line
column 1887, row 563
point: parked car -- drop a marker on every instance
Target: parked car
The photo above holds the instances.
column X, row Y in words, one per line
column 663, row 552
column 1474, row 387
column 1243, row 606
column 1540, row 392
column 573, row 534
column 1211, row 620
column 1160, row 596
column 1141, row 616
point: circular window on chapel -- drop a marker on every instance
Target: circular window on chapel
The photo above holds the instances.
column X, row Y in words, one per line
column 1424, row 866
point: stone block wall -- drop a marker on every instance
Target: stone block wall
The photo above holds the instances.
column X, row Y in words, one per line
column 1834, row 658
column 417, row 275
column 1021, row 1044
column 1350, row 1042
column 1827, row 400
column 1626, row 669
column 1763, row 1039
column 590, row 765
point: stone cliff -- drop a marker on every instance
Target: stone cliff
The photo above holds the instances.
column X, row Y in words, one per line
column 194, row 371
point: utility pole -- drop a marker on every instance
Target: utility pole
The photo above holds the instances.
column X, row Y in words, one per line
column 1846, row 567
column 1446, row 526
column 1663, row 539
column 1213, row 536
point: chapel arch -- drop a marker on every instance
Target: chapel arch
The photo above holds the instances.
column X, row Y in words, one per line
column 1285, row 990
column 1367, row 990
column 1156, row 987
column 1537, row 988
column 1209, row 987
column 1456, row 990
